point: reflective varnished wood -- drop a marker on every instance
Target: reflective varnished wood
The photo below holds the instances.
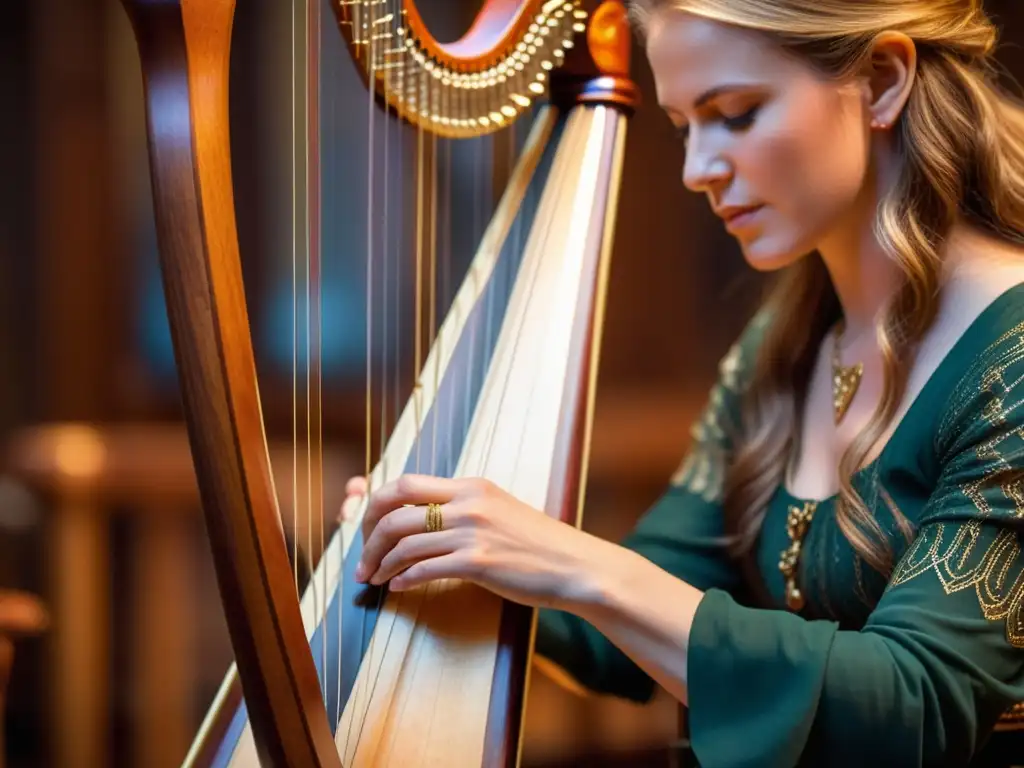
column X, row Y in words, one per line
column 184, row 47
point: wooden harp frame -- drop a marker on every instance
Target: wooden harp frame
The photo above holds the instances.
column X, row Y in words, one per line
column 184, row 48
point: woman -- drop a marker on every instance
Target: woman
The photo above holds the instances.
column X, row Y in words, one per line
column 834, row 575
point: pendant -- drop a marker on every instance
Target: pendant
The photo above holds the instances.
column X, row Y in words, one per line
column 797, row 522
column 845, row 381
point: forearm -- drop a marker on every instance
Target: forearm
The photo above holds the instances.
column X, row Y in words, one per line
column 641, row 608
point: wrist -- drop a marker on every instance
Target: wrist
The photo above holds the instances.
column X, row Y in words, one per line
column 612, row 583
column 599, row 573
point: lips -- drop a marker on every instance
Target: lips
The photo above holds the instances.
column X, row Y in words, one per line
column 737, row 216
column 731, row 212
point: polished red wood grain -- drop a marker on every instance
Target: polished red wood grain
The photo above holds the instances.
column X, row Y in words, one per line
column 184, row 46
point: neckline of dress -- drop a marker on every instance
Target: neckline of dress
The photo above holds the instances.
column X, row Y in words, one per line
column 973, row 328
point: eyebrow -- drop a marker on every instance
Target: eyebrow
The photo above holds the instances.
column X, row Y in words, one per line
column 714, row 92
column 718, row 90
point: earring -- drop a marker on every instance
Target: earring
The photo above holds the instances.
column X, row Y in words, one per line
column 876, row 123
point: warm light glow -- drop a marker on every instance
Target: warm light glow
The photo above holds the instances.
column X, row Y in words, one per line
column 80, row 453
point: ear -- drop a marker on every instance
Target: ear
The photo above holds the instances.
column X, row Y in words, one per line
column 889, row 75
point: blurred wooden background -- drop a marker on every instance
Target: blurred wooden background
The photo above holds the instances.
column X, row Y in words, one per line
column 98, row 511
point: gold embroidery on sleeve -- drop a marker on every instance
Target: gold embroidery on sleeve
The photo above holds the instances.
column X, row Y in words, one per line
column 703, row 469
column 955, row 552
column 960, row 563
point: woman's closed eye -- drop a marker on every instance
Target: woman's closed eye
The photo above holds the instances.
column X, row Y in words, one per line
column 734, row 123
column 742, row 121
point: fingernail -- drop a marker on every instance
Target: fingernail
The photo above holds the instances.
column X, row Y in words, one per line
column 361, row 571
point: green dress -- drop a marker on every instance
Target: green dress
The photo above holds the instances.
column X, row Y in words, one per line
column 914, row 670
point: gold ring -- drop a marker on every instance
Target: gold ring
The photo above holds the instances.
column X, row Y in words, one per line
column 435, row 521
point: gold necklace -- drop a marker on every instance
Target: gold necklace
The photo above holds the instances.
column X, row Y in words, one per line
column 797, row 523
column 845, row 379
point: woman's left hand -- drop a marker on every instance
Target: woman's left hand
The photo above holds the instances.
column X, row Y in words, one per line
column 488, row 537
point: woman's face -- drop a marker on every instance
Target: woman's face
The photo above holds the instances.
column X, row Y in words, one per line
column 765, row 133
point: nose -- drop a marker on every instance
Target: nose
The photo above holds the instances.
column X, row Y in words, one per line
column 705, row 167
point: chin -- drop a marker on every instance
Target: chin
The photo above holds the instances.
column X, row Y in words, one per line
column 765, row 255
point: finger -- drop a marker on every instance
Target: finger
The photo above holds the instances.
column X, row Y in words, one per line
column 355, row 490
column 355, row 486
column 350, row 507
column 418, row 490
column 412, row 549
column 455, row 565
column 392, row 528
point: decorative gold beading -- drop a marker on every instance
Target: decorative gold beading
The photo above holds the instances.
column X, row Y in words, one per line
column 797, row 523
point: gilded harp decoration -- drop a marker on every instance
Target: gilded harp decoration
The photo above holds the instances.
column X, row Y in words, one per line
column 331, row 673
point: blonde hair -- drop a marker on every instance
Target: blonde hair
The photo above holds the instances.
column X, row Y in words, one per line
column 960, row 139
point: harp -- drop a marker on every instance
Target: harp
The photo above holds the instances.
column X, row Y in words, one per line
column 330, row 673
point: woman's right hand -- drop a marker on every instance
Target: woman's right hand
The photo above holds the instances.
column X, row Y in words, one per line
column 355, row 489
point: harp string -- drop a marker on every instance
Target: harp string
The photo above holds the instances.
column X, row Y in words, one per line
column 380, row 45
column 484, row 462
column 483, row 466
column 307, row 332
column 365, row 31
column 540, row 245
column 438, row 201
column 433, row 208
column 373, row 40
column 401, row 69
column 386, row 278
column 314, row 304
column 294, row 143
column 305, row 286
column 337, row 627
column 426, row 237
column 373, row 659
column 543, row 230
